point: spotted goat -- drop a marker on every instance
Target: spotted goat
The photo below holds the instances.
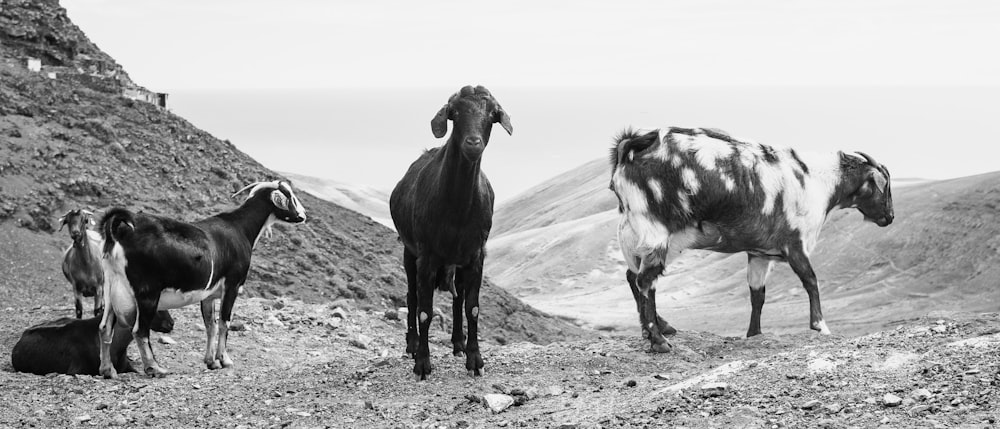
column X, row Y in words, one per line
column 699, row 188
column 154, row 262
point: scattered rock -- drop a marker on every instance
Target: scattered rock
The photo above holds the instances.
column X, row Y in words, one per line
column 167, row 340
column 821, row 365
column 119, row 420
column 833, row 408
column 919, row 409
column 339, row 312
column 82, row 419
column 369, row 405
column 553, row 391
column 630, row 383
column 940, row 329
column 333, row 322
column 662, row 376
column 921, row 394
column 891, row 400
column 273, row 321
column 362, row 341
column 498, row 402
column 237, row 325
column 102, row 406
column 714, row 389
column 809, row 405
column 391, row 314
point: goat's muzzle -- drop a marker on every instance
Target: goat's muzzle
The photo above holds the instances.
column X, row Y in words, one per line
column 474, row 146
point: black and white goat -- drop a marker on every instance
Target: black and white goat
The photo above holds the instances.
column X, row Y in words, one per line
column 684, row 189
column 73, row 346
column 153, row 262
column 443, row 211
column 82, row 260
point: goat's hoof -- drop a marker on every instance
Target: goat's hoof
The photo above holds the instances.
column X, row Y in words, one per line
column 422, row 368
column 474, row 363
column 213, row 364
column 663, row 347
column 227, row 363
column 665, row 328
column 821, row 327
column 156, row 372
column 109, row 373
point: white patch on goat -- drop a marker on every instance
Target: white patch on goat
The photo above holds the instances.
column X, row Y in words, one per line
column 423, row 317
column 676, row 161
column 805, row 206
column 118, row 294
column 266, row 229
column 707, row 150
column 690, row 180
column 654, row 186
column 175, row 298
column 633, row 198
column 728, row 182
column 772, row 181
column 475, row 311
column 684, row 201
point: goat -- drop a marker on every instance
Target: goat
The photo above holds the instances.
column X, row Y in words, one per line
column 72, row 346
column 154, row 262
column 81, row 261
column 443, row 211
column 697, row 188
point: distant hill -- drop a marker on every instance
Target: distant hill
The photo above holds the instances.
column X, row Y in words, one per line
column 942, row 252
column 365, row 200
column 74, row 141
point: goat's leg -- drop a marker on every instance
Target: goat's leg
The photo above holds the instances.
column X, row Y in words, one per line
column 758, row 269
column 662, row 325
column 472, row 280
column 645, row 280
column 410, row 264
column 426, row 282
column 457, row 306
column 79, row 302
column 98, row 300
column 145, row 311
column 107, row 330
column 799, row 262
column 211, row 333
column 225, row 315
column 640, row 301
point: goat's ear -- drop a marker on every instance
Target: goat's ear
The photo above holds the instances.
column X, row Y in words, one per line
column 880, row 181
column 504, row 119
column 439, row 125
column 279, row 200
column 62, row 222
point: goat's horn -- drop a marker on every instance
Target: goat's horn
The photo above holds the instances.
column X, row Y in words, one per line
column 245, row 188
column 87, row 212
column 869, row 159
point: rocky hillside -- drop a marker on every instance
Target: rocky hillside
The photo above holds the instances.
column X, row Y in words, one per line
column 365, row 200
column 941, row 253
column 74, row 141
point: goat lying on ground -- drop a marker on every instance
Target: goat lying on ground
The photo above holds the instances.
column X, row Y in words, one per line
column 153, row 262
column 443, row 211
column 684, row 189
column 72, row 346
column 82, row 260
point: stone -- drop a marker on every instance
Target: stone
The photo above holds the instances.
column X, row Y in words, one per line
column 362, row 341
column 498, row 402
column 166, row 340
column 921, row 394
column 339, row 312
column 919, row 409
column 237, row 325
column 83, row 419
column 714, row 389
column 119, row 420
column 891, row 400
column 273, row 320
column 833, row 408
column 391, row 314
column 810, row 404
column 940, row 329
column 553, row 391
column 821, row 365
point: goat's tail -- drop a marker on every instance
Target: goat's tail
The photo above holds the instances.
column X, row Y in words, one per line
column 629, row 142
column 116, row 224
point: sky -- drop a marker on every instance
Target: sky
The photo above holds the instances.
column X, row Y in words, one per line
column 244, row 44
column 345, row 89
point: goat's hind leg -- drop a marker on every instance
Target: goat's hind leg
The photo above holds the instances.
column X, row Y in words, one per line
column 225, row 315
column 426, row 283
column 211, row 333
column 107, row 331
column 145, row 311
column 412, row 338
column 78, row 303
column 457, row 304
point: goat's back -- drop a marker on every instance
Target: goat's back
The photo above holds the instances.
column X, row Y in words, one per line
column 67, row 346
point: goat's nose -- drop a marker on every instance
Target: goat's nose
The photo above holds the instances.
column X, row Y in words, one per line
column 474, row 140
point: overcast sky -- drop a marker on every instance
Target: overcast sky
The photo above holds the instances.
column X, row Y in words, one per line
column 242, row 44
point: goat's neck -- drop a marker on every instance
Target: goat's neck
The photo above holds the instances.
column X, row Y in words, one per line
column 82, row 251
column 250, row 217
column 459, row 177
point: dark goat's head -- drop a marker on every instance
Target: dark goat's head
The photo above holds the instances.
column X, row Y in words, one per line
column 472, row 111
column 285, row 205
column 77, row 220
column 874, row 197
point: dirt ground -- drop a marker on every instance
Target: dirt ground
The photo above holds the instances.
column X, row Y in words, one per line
column 311, row 365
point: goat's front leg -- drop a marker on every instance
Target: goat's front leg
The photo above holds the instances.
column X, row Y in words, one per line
column 457, row 306
column 412, row 339
column 758, row 269
column 799, row 262
column 472, row 280
column 640, row 304
column 211, row 333
column 79, row 302
column 225, row 315
column 99, row 301
column 107, row 330
column 146, row 310
column 426, row 282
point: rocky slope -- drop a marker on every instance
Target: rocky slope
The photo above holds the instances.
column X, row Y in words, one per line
column 74, row 141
